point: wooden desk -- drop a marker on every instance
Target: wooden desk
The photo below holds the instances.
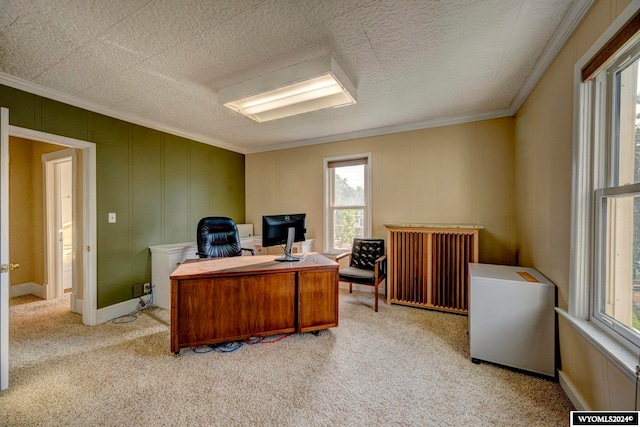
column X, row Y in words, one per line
column 228, row 299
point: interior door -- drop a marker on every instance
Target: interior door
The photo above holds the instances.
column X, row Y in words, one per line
column 59, row 207
column 4, row 248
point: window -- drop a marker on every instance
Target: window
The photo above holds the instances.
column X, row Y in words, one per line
column 347, row 201
column 612, row 100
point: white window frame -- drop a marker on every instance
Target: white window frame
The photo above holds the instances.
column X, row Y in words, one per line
column 604, row 121
column 609, row 324
column 585, row 178
column 328, row 189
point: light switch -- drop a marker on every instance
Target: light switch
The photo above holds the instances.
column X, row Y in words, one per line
column 112, row 217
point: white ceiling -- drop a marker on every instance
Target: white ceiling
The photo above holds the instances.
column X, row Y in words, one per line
column 160, row 63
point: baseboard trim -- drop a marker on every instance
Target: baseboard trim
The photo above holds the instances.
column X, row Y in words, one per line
column 19, row 290
column 572, row 392
column 37, row 290
column 29, row 288
column 77, row 307
column 116, row 310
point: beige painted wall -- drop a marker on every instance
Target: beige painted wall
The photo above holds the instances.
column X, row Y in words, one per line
column 451, row 174
column 543, row 165
column 26, row 209
column 20, row 210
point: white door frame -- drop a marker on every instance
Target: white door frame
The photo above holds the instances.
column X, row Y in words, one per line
column 4, row 248
column 53, row 247
column 87, row 248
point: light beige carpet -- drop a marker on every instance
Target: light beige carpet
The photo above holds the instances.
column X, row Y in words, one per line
column 400, row 366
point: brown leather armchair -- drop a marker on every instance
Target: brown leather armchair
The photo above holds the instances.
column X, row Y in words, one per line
column 367, row 264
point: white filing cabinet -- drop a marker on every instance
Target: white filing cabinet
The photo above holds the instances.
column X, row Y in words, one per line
column 512, row 317
column 164, row 260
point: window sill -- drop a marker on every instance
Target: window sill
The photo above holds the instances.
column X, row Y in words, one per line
column 620, row 356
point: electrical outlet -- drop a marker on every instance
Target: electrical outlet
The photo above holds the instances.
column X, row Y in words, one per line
column 138, row 290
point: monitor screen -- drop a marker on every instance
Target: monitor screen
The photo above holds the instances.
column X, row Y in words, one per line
column 275, row 228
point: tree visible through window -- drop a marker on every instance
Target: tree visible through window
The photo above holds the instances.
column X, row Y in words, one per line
column 349, row 194
column 346, row 202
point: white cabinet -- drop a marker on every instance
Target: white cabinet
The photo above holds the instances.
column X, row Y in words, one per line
column 255, row 242
column 248, row 243
column 165, row 259
column 304, row 247
column 512, row 317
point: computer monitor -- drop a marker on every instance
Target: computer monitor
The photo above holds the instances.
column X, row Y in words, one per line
column 283, row 230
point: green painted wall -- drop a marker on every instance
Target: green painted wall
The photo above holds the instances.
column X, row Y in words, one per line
column 158, row 184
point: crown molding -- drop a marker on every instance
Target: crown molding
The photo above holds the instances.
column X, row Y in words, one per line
column 570, row 21
column 55, row 95
column 385, row 130
column 567, row 26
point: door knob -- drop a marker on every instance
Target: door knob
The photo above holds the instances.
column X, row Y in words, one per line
column 9, row 267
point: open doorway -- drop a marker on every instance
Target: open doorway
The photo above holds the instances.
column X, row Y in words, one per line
column 84, row 258
column 43, row 212
column 85, row 240
column 83, row 297
column 61, row 222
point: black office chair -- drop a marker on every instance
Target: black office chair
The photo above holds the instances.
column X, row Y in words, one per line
column 218, row 237
column 367, row 266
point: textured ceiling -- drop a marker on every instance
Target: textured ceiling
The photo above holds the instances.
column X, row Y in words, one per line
column 161, row 62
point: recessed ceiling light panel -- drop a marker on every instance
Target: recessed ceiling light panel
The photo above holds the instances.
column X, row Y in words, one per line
column 312, row 85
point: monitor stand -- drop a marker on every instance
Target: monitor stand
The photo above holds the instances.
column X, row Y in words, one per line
column 291, row 234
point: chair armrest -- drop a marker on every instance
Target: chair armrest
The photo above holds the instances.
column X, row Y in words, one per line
column 342, row 255
column 253, row 251
column 379, row 266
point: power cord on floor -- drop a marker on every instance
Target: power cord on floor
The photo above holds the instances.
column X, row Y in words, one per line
column 264, row 340
column 227, row 347
column 230, row 347
column 131, row 317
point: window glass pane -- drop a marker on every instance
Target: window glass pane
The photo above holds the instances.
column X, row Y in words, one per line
column 627, row 150
column 347, row 192
column 348, row 224
column 636, row 242
column 349, row 186
column 622, row 272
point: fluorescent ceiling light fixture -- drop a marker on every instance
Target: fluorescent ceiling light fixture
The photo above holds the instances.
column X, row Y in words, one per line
column 312, row 85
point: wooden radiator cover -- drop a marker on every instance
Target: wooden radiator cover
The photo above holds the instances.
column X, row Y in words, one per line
column 428, row 265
